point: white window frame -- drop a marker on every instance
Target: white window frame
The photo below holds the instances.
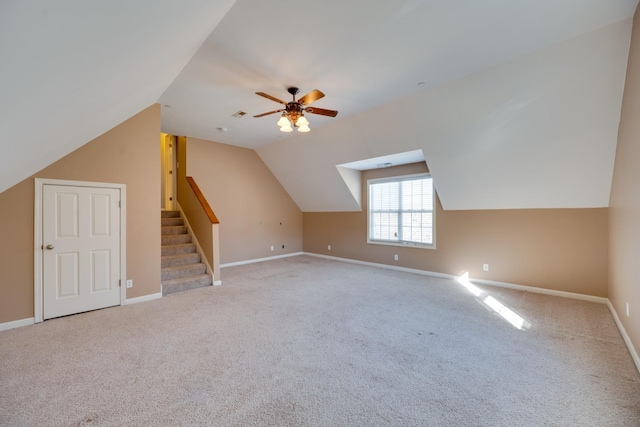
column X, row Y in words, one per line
column 401, row 178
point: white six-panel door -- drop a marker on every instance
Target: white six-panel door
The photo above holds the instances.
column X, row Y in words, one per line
column 81, row 249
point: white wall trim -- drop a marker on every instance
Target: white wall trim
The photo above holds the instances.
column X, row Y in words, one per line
column 532, row 289
column 143, row 298
column 203, row 259
column 38, row 238
column 251, row 261
column 552, row 292
column 16, row 324
column 625, row 336
column 387, row 266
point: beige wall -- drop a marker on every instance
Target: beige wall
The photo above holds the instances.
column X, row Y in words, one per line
column 254, row 211
column 127, row 154
column 624, row 206
column 560, row 249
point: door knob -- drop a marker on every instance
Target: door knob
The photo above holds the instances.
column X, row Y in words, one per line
column 49, row 247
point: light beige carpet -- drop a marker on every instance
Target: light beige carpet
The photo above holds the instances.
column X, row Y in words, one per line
column 305, row 341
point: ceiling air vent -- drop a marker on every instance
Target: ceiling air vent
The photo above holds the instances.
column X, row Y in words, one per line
column 238, row 114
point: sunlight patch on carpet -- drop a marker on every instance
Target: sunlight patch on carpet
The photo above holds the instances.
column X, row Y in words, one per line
column 505, row 312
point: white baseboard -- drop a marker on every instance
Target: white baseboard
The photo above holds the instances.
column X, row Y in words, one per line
column 625, row 336
column 30, row 321
column 387, row 266
column 481, row 281
column 143, row 298
column 532, row 289
column 251, row 261
column 16, row 324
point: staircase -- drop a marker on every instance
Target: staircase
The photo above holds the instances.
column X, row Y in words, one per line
column 181, row 266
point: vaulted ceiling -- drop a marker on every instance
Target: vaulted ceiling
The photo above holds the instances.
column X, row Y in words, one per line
column 511, row 104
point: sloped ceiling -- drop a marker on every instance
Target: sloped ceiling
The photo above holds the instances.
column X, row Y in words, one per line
column 536, row 132
column 519, row 104
column 72, row 69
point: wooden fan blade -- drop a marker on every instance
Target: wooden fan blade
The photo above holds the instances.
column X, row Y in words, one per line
column 321, row 111
column 312, row 96
column 273, row 98
column 270, row 112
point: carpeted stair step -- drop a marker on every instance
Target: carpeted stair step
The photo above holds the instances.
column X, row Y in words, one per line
column 165, row 222
column 176, row 239
column 170, row 214
column 182, row 268
column 177, row 271
column 174, row 229
column 182, row 259
column 184, row 284
column 183, row 248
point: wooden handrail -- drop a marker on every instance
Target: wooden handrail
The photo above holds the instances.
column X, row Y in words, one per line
column 203, row 201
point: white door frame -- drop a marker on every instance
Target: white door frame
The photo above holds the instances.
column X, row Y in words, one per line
column 168, row 155
column 39, row 243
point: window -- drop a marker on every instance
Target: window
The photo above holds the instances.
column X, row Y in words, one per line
column 401, row 211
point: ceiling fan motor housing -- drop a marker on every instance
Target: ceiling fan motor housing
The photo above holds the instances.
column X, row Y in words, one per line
column 294, row 110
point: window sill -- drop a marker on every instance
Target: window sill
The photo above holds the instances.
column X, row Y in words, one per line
column 401, row 244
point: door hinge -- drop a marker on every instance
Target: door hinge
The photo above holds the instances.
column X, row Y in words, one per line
column 119, row 203
column 120, row 282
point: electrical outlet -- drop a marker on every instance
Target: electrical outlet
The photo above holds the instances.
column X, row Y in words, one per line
column 271, row 247
column 395, row 257
column 329, row 247
column 129, row 283
column 485, row 267
column 627, row 309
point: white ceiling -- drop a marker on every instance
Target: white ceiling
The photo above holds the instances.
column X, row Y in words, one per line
column 70, row 70
column 519, row 106
column 387, row 161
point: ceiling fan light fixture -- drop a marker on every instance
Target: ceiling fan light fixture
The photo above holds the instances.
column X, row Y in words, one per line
column 304, row 128
column 287, row 128
column 302, row 121
column 284, row 121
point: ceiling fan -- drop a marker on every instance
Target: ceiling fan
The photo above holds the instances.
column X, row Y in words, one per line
column 293, row 112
